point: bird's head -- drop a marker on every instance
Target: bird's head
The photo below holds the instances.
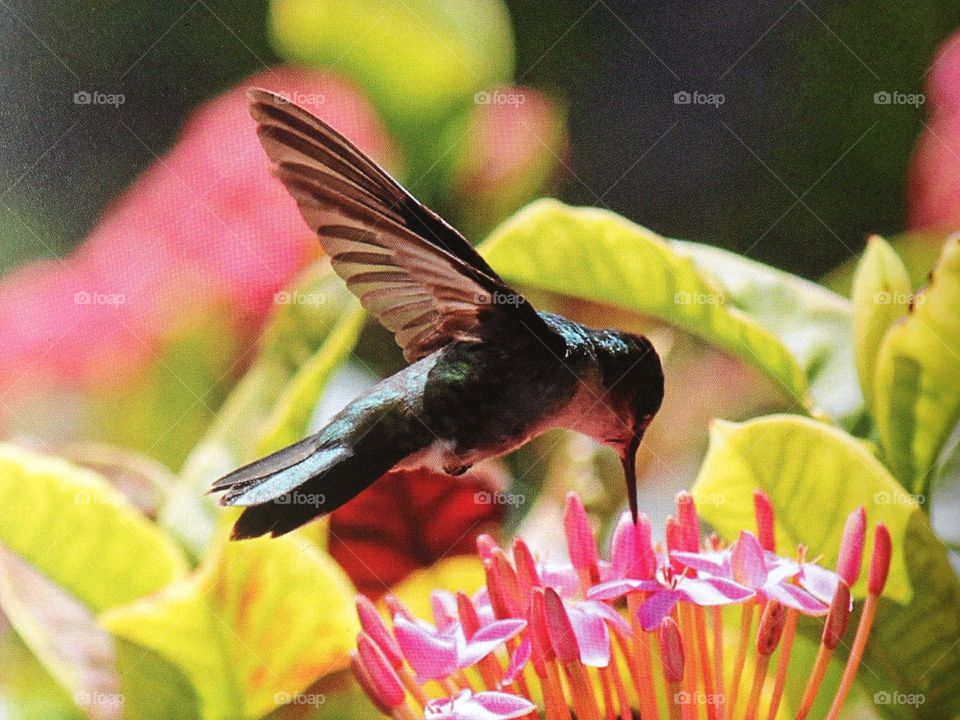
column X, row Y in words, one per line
column 632, row 380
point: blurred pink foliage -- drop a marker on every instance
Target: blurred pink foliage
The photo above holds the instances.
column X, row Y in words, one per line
column 515, row 142
column 205, row 235
column 934, row 188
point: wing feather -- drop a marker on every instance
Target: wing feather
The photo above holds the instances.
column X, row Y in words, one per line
column 411, row 270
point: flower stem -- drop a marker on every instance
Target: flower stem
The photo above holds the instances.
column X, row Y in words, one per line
column 856, row 655
column 759, row 675
column 783, row 662
column 581, row 692
column 717, row 622
column 557, row 708
column 643, row 663
column 746, row 623
column 700, row 629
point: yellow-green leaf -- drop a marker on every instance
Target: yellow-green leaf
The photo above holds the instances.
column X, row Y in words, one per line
column 814, row 323
column 417, row 58
column 290, row 417
column 881, row 295
column 815, row 476
column 64, row 636
column 917, row 386
column 82, row 534
column 598, row 255
column 259, row 622
column 311, row 332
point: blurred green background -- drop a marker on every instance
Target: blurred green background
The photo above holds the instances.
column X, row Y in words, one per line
column 795, row 167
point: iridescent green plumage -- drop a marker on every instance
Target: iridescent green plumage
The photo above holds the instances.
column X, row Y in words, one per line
column 488, row 372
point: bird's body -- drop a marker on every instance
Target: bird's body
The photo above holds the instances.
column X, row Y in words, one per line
column 488, row 373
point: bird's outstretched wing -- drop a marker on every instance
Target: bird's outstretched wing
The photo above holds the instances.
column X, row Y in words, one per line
column 413, row 271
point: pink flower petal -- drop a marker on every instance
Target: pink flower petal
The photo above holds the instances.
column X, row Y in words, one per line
column 444, row 606
column 581, row 543
column 618, row 588
column 373, row 625
column 747, row 565
column 818, row 581
column 488, row 639
column 376, row 669
column 795, row 597
column 431, row 655
column 482, row 706
column 561, row 578
column 607, row 613
column 518, row 661
column 563, row 639
column 593, row 638
column 709, row 562
column 851, row 546
column 657, row 607
column 708, row 592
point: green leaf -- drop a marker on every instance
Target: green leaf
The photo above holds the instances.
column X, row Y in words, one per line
column 917, row 386
column 290, row 417
column 881, row 296
column 257, row 624
column 64, row 636
column 419, row 59
column 311, row 333
column 814, row 323
column 69, row 524
column 598, row 255
column 815, row 476
column 27, row 692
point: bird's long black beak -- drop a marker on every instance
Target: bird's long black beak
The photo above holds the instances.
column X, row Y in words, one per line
column 628, row 456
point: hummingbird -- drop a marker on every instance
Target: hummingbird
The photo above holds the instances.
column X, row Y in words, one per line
column 487, row 372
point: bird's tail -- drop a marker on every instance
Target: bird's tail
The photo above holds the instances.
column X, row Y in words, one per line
column 302, row 482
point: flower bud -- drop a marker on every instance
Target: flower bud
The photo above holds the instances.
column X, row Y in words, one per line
column 838, row 617
column 373, row 625
column 671, row 649
column 771, row 627
column 766, row 526
column 380, row 681
column 580, row 540
column 851, row 546
column 880, row 561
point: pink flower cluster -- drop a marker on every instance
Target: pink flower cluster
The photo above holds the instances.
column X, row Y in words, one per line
column 597, row 638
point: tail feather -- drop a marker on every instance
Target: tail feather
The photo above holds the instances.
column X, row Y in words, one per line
column 317, row 475
column 275, row 482
column 322, row 492
column 260, row 469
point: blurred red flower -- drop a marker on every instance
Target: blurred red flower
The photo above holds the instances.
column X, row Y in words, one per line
column 409, row 520
column 199, row 243
column 934, row 184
